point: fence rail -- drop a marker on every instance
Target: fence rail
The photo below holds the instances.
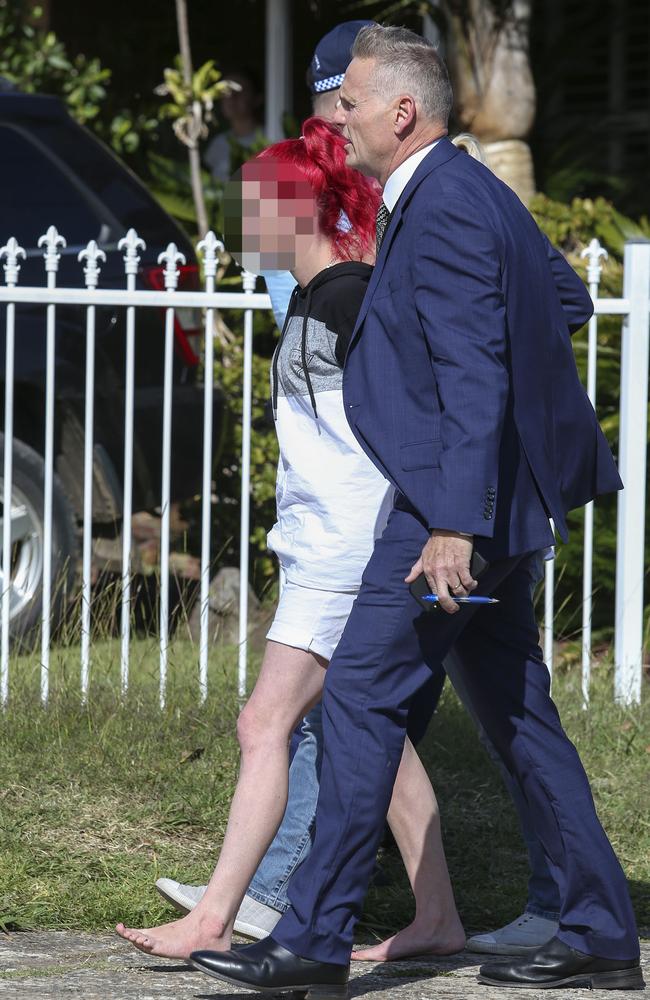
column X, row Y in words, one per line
column 633, row 308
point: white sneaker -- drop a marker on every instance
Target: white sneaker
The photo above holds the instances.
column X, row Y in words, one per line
column 517, row 938
column 183, row 897
column 254, row 920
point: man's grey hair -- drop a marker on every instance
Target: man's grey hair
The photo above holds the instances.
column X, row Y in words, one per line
column 406, row 63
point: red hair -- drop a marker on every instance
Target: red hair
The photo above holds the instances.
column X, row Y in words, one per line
column 320, row 155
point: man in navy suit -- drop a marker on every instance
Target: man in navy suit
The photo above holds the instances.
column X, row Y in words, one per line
column 461, row 386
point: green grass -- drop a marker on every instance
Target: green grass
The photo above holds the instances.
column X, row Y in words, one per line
column 98, row 802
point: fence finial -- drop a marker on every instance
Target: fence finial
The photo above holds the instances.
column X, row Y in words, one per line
column 12, row 251
column 593, row 253
column 131, row 243
column 52, row 240
column 92, row 255
column 171, row 257
column 209, row 248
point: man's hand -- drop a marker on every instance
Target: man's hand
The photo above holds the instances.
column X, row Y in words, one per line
column 445, row 563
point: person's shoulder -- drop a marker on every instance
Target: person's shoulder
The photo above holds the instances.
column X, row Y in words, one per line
column 467, row 191
column 343, row 295
column 338, row 301
column 354, row 283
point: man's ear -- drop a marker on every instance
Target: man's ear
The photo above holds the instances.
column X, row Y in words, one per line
column 404, row 114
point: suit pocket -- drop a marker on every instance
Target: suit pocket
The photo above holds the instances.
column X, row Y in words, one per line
column 421, row 455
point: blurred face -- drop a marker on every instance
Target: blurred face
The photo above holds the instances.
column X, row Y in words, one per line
column 366, row 120
column 270, row 216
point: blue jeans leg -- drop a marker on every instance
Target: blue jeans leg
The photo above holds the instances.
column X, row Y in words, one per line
column 292, row 842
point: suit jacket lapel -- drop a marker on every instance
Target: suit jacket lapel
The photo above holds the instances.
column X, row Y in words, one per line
column 443, row 151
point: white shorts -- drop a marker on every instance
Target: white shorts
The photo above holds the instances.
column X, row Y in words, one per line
column 310, row 619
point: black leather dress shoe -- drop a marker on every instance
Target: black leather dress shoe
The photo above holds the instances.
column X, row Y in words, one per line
column 269, row 968
column 555, row 964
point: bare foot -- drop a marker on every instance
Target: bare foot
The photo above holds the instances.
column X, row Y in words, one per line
column 416, row 939
column 179, row 938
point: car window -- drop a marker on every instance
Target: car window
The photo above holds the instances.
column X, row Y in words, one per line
column 110, row 181
column 36, row 193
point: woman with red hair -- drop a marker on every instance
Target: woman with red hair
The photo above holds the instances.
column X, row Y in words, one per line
column 302, row 207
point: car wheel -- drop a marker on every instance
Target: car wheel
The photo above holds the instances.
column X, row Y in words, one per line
column 27, row 550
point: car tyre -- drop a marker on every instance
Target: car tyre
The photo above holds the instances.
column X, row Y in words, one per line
column 28, row 480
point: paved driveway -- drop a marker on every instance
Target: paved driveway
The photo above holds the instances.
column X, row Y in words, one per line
column 55, row 965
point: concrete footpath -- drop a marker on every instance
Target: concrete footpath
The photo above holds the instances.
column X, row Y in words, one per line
column 53, row 965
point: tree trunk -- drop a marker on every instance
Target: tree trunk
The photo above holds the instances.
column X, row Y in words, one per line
column 193, row 150
column 494, row 89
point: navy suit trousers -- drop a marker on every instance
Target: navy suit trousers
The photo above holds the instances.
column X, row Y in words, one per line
column 379, row 667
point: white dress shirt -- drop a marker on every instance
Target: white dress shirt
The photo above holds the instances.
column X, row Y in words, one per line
column 402, row 175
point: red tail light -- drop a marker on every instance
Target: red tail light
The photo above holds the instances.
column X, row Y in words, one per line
column 188, row 327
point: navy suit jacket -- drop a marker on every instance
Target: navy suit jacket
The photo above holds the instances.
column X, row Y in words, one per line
column 460, row 382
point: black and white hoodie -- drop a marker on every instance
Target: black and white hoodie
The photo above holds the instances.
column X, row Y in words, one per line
column 332, row 503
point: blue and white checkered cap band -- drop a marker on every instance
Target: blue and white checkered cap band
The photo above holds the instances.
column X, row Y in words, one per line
column 331, row 83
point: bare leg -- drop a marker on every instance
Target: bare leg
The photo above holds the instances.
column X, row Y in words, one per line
column 415, row 821
column 290, row 682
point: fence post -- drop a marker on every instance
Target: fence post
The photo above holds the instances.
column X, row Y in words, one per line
column 131, row 244
column 248, row 282
column 209, row 248
column 593, row 253
column 93, row 257
column 13, row 253
column 52, row 241
column 628, row 647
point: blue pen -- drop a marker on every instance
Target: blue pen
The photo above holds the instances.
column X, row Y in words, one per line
column 464, row 600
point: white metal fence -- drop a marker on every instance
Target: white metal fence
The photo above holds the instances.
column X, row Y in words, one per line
column 633, row 308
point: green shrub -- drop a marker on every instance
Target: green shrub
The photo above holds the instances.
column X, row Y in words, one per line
column 37, row 62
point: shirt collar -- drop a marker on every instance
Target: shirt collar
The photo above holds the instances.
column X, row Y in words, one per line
column 402, row 175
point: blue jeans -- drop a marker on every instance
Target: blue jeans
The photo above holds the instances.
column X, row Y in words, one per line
column 293, row 840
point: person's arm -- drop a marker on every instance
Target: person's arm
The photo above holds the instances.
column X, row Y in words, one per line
column 456, row 267
column 574, row 296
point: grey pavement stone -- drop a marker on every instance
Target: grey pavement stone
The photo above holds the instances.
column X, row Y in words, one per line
column 60, row 964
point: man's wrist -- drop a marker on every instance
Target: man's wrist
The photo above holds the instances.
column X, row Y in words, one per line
column 447, row 531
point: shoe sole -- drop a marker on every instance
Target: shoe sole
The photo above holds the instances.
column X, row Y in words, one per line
column 504, row 949
column 176, row 903
column 250, row 931
column 313, row 992
column 624, row 979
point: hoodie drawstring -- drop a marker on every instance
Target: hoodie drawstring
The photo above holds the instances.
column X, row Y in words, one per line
column 303, row 354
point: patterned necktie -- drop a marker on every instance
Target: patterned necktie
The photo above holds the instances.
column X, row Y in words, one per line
column 383, row 216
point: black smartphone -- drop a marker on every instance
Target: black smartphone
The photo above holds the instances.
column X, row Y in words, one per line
column 421, row 589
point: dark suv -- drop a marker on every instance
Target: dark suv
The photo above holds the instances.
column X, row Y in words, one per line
column 54, row 172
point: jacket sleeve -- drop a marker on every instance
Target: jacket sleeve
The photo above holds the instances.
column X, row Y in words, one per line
column 574, row 296
column 461, row 308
